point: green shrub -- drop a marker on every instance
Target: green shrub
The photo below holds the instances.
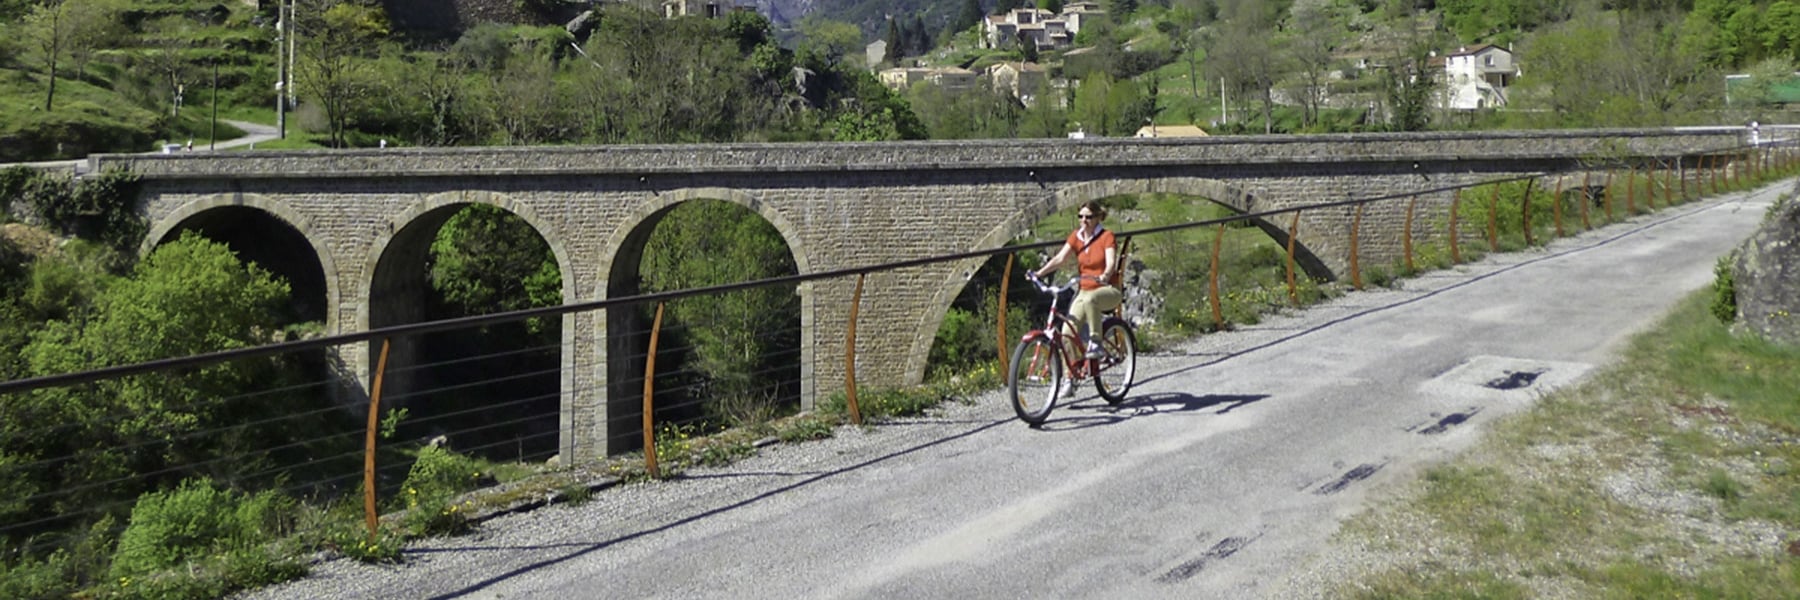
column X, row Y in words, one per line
column 1724, row 289
column 436, row 477
column 197, row 519
column 50, row 577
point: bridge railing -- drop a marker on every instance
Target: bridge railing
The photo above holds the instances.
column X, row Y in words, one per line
column 283, row 418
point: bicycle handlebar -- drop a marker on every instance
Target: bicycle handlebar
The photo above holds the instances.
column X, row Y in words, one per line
column 1046, row 287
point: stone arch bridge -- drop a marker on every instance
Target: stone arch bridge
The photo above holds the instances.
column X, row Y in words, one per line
column 351, row 229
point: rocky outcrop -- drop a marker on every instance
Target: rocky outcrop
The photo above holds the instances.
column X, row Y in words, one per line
column 1767, row 276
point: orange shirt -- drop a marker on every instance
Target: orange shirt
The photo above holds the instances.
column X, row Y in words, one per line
column 1092, row 260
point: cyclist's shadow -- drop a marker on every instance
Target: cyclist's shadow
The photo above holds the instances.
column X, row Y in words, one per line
column 1098, row 412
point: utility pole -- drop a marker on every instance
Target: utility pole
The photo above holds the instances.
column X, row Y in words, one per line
column 281, row 22
column 212, row 131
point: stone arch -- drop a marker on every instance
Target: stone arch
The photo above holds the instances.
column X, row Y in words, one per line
column 238, row 209
column 391, row 287
column 430, row 211
column 625, row 246
column 1043, row 206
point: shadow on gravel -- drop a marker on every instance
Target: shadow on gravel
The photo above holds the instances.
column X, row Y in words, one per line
column 582, row 549
column 1146, row 405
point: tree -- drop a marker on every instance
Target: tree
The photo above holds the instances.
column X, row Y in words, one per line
column 487, row 260
column 190, row 296
column 1312, row 37
column 826, row 42
column 1242, row 52
column 968, row 16
column 737, row 338
column 165, row 42
column 919, row 41
column 1409, row 85
column 1614, row 69
column 49, row 33
column 337, row 37
column 896, row 41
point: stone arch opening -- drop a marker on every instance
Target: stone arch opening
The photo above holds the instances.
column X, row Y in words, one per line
column 272, row 243
column 770, row 328
column 493, row 390
column 973, row 287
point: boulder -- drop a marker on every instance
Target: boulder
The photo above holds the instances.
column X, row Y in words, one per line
column 1766, row 277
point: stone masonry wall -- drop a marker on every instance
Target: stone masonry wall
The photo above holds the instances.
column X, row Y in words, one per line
column 840, row 206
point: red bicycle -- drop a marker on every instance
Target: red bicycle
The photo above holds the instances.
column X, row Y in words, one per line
column 1051, row 361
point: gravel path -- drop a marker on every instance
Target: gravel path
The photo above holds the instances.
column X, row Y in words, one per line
column 1224, row 476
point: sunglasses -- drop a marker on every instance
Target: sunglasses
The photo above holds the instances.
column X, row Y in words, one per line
column 1085, row 217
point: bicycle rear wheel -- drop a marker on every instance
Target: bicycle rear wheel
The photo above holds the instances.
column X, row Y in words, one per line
column 1035, row 379
column 1118, row 370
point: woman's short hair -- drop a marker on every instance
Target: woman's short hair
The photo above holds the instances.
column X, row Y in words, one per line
column 1094, row 208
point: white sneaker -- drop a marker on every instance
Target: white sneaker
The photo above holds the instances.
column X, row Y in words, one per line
column 1095, row 351
column 1068, row 389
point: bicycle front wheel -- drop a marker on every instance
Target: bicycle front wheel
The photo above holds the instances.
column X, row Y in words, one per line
column 1116, row 372
column 1035, row 379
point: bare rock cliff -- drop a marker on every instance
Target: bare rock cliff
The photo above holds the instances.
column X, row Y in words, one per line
column 1767, row 277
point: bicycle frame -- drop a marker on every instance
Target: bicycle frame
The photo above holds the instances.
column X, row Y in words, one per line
column 1059, row 327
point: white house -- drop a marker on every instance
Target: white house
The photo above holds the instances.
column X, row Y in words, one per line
column 1048, row 31
column 1477, row 77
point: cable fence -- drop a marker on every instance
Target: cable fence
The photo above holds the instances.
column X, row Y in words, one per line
column 496, row 398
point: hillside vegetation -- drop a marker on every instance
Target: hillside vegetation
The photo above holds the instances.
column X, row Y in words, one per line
column 79, row 76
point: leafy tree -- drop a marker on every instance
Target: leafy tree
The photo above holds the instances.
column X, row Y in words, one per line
column 736, row 338
column 191, row 296
column 660, row 80
column 1410, row 85
column 1054, row 6
column 1002, row 7
column 966, row 17
column 1312, row 37
column 826, row 42
column 332, row 66
column 1781, row 29
column 973, row 113
column 478, row 257
column 1581, row 77
column 49, row 33
column 1244, row 55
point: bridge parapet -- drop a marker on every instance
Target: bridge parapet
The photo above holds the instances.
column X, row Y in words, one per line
column 1434, row 147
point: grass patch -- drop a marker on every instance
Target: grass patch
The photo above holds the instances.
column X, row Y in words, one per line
column 1661, row 476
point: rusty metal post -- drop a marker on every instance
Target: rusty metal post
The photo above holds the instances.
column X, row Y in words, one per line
column 1213, row 292
column 1000, row 329
column 1455, row 252
column 1406, row 236
column 1293, row 232
column 650, row 465
column 1355, row 270
column 1712, row 177
column 371, row 518
column 850, row 355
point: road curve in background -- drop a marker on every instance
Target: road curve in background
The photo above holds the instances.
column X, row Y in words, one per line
column 1230, row 467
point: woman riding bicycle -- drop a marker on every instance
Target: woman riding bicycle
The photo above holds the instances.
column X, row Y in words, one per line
column 1097, row 258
